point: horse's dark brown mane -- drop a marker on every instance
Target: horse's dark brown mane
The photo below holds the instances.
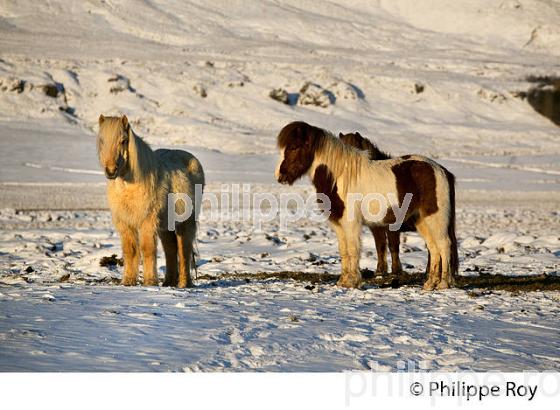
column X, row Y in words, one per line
column 356, row 140
column 285, row 134
column 300, row 133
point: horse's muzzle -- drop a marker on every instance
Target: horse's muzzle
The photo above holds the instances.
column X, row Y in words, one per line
column 111, row 174
column 284, row 179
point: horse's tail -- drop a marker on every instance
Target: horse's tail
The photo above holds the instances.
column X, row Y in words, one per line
column 195, row 252
column 454, row 263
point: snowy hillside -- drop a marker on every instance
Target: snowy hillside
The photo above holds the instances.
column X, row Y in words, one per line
column 155, row 61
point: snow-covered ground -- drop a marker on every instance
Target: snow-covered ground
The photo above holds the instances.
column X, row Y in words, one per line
column 61, row 311
column 431, row 77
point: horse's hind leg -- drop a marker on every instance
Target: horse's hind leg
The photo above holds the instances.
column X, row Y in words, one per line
column 434, row 271
column 447, row 281
column 148, row 244
column 439, row 231
column 185, row 241
column 131, row 253
column 394, row 247
column 445, row 246
column 169, row 242
column 380, row 236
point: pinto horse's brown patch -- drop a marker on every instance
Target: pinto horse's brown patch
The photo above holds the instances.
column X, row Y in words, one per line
column 299, row 141
column 419, row 179
column 324, row 184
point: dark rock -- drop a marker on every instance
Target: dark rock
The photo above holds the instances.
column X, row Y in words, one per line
column 64, row 278
column 51, row 90
column 18, row 85
column 279, row 94
column 545, row 97
column 111, row 261
column 200, row 90
column 314, row 94
column 122, row 83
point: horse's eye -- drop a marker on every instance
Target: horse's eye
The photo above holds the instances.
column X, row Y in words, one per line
column 124, row 142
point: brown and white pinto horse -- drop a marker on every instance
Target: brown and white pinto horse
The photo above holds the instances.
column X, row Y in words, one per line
column 347, row 177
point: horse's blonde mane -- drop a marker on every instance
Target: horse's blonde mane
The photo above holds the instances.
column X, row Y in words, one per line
column 342, row 159
column 142, row 161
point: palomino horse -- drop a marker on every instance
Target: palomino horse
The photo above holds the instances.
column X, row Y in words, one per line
column 360, row 192
column 138, row 183
column 381, row 234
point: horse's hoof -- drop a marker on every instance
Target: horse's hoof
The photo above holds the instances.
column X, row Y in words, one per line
column 429, row 286
column 381, row 270
column 349, row 283
column 446, row 284
column 443, row 285
column 169, row 284
column 185, row 285
column 152, row 282
column 128, row 282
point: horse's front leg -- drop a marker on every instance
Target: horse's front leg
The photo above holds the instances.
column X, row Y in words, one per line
column 352, row 277
column 148, row 244
column 131, row 254
column 353, row 246
column 341, row 238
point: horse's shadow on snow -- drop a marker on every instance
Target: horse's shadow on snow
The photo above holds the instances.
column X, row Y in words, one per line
column 222, row 283
column 310, row 280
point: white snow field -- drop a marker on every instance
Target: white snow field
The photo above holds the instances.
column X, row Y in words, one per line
column 432, row 77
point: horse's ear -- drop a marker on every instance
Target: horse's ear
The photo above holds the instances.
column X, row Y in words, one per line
column 126, row 124
column 124, row 121
column 359, row 135
column 340, row 135
column 101, row 119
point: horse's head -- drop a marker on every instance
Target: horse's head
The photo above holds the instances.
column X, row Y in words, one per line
column 112, row 145
column 356, row 140
column 298, row 142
